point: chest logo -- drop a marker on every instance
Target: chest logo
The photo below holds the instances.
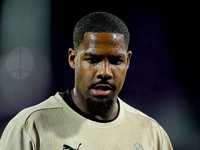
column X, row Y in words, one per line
column 137, row 146
column 67, row 147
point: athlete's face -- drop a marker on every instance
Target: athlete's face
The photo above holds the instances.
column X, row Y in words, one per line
column 100, row 62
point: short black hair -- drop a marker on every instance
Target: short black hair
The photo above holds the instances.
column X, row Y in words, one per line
column 99, row 22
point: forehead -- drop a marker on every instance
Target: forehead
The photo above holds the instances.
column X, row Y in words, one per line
column 103, row 42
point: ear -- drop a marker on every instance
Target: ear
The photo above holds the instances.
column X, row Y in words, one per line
column 129, row 54
column 72, row 57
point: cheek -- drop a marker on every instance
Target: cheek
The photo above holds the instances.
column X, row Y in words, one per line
column 119, row 75
column 120, row 70
column 83, row 74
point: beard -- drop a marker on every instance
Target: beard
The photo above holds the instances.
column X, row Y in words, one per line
column 98, row 106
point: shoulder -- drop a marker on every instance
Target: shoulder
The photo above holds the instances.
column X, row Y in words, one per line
column 148, row 126
column 133, row 111
column 51, row 103
column 139, row 118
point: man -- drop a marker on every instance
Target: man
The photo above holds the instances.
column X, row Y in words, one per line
column 89, row 116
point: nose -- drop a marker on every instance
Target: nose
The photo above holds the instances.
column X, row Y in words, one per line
column 105, row 71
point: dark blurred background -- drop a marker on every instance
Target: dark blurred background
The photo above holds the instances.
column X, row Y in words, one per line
column 162, row 81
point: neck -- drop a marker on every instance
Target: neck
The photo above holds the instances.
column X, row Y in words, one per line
column 81, row 103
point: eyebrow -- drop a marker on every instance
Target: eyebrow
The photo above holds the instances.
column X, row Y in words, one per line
column 90, row 54
column 94, row 55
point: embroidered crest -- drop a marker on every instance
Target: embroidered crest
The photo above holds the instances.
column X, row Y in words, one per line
column 137, row 146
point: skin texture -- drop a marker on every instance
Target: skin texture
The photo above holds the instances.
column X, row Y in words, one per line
column 100, row 62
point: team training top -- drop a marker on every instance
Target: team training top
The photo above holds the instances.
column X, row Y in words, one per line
column 53, row 125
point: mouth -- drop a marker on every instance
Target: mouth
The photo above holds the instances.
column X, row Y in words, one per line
column 102, row 90
column 102, row 87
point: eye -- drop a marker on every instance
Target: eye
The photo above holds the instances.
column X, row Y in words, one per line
column 115, row 60
column 93, row 60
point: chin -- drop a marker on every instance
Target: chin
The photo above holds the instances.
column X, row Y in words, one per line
column 99, row 106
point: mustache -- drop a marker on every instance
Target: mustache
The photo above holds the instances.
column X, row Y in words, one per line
column 113, row 87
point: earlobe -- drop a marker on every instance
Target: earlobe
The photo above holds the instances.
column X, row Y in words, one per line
column 71, row 58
